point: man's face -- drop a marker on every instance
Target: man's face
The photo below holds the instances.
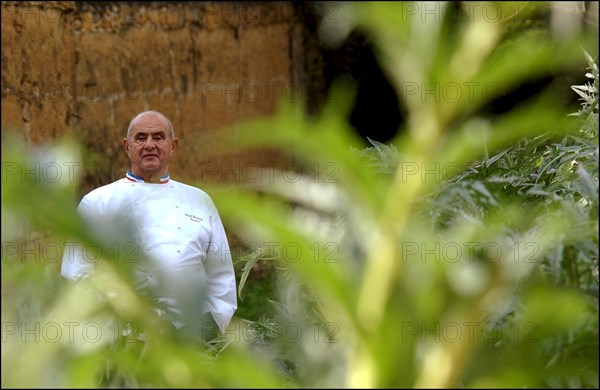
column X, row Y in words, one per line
column 149, row 147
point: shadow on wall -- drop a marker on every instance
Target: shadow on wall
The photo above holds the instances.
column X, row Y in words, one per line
column 379, row 113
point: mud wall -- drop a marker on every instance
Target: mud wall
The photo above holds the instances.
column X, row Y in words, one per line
column 84, row 69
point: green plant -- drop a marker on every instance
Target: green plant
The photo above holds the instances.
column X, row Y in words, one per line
column 518, row 200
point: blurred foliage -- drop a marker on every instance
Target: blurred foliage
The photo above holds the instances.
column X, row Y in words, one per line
column 431, row 264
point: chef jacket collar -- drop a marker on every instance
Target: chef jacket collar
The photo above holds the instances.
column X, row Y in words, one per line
column 131, row 177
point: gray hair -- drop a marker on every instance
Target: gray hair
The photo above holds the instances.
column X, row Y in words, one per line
column 157, row 113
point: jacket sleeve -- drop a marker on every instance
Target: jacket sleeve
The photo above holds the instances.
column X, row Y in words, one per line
column 222, row 291
column 75, row 262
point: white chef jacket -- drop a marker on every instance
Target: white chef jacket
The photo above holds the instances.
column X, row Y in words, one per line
column 176, row 241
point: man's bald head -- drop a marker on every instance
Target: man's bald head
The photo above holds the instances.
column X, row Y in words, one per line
column 153, row 113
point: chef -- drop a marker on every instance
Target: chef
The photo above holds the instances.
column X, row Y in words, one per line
column 184, row 260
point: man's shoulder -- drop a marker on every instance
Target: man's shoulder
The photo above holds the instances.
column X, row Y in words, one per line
column 197, row 195
column 189, row 188
column 105, row 189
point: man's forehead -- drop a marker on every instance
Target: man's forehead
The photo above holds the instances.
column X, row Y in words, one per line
column 153, row 123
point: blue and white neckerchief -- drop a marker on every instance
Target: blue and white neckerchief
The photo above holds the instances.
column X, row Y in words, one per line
column 131, row 177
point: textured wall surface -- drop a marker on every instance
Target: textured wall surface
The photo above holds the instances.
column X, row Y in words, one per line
column 84, row 69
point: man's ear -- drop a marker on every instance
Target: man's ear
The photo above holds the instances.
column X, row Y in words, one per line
column 174, row 144
column 126, row 145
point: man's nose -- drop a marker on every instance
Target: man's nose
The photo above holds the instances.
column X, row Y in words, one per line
column 149, row 143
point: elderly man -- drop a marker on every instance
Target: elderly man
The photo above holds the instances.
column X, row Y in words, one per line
column 184, row 261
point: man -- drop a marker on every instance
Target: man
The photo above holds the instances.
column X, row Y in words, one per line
column 184, row 264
